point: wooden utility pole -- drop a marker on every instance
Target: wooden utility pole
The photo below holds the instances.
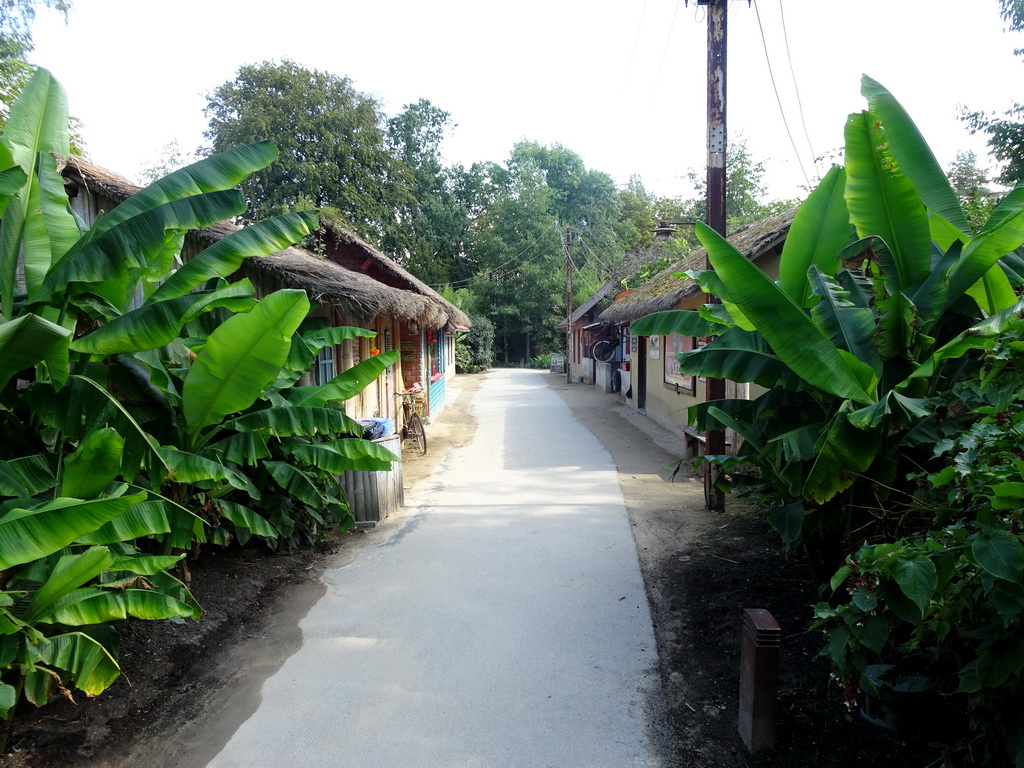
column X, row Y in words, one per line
column 568, row 305
column 714, row 498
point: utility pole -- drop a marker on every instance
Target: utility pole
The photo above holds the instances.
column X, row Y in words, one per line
column 714, row 444
column 568, row 305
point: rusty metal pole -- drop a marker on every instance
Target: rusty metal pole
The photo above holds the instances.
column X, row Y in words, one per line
column 568, row 305
column 714, row 498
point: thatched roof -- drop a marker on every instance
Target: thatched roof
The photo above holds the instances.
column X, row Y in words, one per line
column 358, row 295
column 391, row 267
column 666, row 289
column 100, row 181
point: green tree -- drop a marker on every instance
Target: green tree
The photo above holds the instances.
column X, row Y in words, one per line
column 638, row 218
column 1006, row 131
column 16, row 18
column 171, row 158
column 744, row 191
column 332, row 138
column 971, row 186
column 436, row 216
column 521, row 261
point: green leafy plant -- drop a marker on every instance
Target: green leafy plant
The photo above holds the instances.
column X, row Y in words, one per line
column 947, row 603
column 884, row 297
column 146, row 406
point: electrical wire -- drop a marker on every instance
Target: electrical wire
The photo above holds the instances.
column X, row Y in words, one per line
column 796, row 89
column 636, row 44
column 782, row 112
column 664, row 53
column 477, row 281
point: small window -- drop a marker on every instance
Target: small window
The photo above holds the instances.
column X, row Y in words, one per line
column 325, row 365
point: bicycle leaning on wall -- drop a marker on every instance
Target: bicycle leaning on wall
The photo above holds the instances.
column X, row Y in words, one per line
column 412, row 423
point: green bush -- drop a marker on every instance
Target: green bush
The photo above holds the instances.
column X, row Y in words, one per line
column 474, row 351
column 946, row 605
column 540, row 361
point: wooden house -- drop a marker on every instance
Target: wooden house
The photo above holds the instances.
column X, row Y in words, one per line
column 653, row 383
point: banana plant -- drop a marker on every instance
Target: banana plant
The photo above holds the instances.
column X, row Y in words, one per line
column 883, row 294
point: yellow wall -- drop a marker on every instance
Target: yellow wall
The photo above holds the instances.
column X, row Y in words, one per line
column 664, row 404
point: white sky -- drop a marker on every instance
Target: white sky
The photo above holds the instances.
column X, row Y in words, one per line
column 620, row 82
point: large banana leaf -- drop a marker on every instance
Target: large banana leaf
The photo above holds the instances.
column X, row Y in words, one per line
column 216, row 173
column 296, row 482
column 147, row 518
column 682, row 322
column 157, row 323
column 12, row 178
column 341, row 456
column 345, row 385
column 794, row 337
column 884, row 203
column 843, row 452
column 189, row 468
column 108, row 253
column 850, row 327
column 243, row 517
column 225, row 256
column 739, row 355
column 95, row 605
column 91, row 667
column 914, row 156
column 993, row 291
column 38, row 122
column 29, row 534
column 50, row 227
column 979, row 336
column 26, row 476
column 242, row 448
column 8, row 698
column 70, row 573
column 241, row 358
column 26, row 341
column 296, row 420
column 1002, row 234
column 93, row 465
column 819, row 232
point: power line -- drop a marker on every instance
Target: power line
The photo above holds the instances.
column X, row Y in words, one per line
column 664, row 53
column 796, row 89
column 782, row 112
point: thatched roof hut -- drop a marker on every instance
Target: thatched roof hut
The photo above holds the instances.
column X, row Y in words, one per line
column 360, row 296
column 668, row 288
column 351, row 251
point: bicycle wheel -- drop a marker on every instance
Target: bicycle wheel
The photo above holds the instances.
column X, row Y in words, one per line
column 417, row 433
column 603, row 350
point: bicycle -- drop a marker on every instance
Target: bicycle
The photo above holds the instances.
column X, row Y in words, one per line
column 604, row 345
column 412, row 426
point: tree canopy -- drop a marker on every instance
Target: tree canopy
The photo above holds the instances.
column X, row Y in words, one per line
column 334, row 152
column 16, row 44
column 494, row 231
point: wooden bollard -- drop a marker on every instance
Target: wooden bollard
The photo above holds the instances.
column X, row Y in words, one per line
column 759, row 678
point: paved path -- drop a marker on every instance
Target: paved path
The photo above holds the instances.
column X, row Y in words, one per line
column 502, row 624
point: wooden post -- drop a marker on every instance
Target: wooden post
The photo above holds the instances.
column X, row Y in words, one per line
column 759, row 678
column 714, row 498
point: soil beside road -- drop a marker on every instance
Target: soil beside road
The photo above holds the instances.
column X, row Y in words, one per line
column 701, row 569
